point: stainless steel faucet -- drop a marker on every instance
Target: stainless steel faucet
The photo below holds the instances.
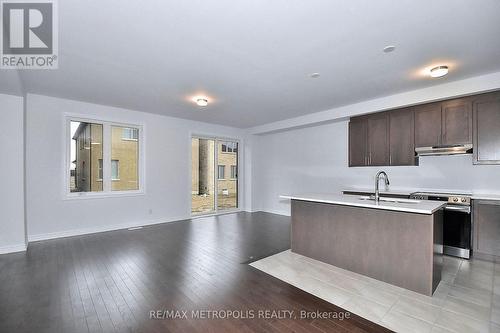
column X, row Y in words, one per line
column 377, row 180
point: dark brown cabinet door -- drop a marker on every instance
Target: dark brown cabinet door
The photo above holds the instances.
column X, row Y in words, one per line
column 487, row 227
column 378, row 139
column 357, row 142
column 487, row 129
column 401, row 137
column 428, row 125
column 457, row 122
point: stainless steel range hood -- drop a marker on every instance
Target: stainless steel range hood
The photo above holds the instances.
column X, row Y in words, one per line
column 444, row 150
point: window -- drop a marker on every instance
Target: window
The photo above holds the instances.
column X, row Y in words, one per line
column 234, row 172
column 103, row 157
column 115, row 170
column 130, row 133
column 221, row 172
column 229, row 147
column 99, row 177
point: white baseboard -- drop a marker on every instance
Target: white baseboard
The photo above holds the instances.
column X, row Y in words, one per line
column 277, row 212
column 93, row 230
column 252, row 210
column 13, row 248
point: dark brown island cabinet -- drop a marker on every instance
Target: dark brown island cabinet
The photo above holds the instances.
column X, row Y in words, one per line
column 389, row 138
column 486, row 243
column 400, row 248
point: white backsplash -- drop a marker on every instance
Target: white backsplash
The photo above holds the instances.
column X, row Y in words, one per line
column 314, row 159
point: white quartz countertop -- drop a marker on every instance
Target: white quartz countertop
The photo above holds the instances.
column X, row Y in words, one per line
column 474, row 195
column 485, row 196
column 402, row 205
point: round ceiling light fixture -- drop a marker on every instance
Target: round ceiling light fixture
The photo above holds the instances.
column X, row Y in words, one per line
column 201, row 101
column 389, row 48
column 314, row 75
column 438, row 71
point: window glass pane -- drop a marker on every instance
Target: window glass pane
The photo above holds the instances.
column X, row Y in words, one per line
column 234, row 172
column 86, row 151
column 115, row 170
column 221, row 171
column 202, row 176
column 100, row 169
column 227, row 185
column 124, row 158
column 130, row 133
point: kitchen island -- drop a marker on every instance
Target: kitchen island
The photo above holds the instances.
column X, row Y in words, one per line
column 397, row 241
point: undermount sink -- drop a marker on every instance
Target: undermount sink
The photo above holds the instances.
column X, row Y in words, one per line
column 384, row 199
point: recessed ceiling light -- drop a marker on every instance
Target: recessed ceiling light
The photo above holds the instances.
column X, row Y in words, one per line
column 389, row 48
column 201, row 101
column 439, row 71
column 314, row 75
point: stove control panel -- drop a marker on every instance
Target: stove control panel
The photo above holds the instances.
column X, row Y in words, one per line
column 459, row 200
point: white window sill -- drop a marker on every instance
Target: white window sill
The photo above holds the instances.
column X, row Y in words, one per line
column 100, row 195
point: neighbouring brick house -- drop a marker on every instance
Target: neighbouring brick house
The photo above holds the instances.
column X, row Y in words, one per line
column 88, row 172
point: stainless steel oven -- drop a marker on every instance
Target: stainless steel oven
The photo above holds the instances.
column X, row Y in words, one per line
column 457, row 222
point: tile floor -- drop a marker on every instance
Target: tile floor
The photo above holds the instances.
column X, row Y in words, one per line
column 466, row 300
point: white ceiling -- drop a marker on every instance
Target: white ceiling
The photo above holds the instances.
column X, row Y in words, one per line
column 253, row 57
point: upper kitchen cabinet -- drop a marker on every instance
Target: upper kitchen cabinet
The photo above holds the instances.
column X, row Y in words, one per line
column 369, row 140
column 381, row 139
column 378, row 139
column 428, row 125
column 444, row 124
column 402, row 137
column 486, row 126
column 357, row 142
column 457, row 121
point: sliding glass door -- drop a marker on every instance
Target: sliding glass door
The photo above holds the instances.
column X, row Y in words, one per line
column 227, row 175
column 214, row 175
column 202, row 176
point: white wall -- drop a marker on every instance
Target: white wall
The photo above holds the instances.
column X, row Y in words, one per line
column 446, row 90
column 12, row 231
column 168, row 189
column 314, row 159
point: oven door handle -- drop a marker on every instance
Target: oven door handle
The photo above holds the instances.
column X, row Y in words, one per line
column 458, row 209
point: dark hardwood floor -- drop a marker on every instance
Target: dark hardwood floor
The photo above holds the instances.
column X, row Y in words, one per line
column 109, row 282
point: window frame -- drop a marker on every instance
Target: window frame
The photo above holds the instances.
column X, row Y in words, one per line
column 219, row 166
column 107, row 139
column 132, row 131
column 100, row 170
column 234, row 172
column 117, row 170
